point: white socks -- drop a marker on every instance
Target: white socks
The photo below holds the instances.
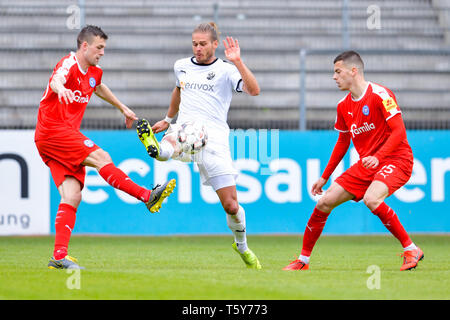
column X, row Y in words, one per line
column 412, row 246
column 304, row 259
column 165, row 150
column 236, row 223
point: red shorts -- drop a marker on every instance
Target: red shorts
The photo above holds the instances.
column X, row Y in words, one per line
column 64, row 152
column 393, row 173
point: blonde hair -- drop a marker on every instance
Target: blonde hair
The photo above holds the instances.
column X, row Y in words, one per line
column 209, row 27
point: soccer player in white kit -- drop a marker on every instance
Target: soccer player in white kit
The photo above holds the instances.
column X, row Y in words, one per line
column 203, row 92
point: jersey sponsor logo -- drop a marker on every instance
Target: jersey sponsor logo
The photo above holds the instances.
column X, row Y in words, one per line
column 389, row 104
column 197, row 86
column 364, row 128
column 88, row 143
column 92, row 82
column 366, row 110
column 78, row 98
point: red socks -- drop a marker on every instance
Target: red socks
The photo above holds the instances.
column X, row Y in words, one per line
column 391, row 222
column 66, row 215
column 318, row 219
column 64, row 223
column 119, row 180
column 313, row 231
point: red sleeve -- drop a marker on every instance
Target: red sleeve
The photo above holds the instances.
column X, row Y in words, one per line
column 398, row 134
column 339, row 123
column 64, row 67
column 99, row 76
column 339, row 151
column 388, row 104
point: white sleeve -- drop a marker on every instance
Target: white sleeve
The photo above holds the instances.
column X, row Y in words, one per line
column 235, row 79
column 176, row 71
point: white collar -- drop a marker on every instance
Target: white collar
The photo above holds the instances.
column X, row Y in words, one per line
column 79, row 67
column 363, row 94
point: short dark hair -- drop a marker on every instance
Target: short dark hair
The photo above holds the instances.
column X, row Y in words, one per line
column 350, row 57
column 88, row 32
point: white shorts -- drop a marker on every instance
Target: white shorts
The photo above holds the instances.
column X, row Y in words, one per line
column 214, row 163
column 220, row 182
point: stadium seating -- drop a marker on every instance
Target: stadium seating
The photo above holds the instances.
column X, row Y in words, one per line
column 409, row 54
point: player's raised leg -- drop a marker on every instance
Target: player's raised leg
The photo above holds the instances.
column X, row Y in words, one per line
column 158, row 194
column 147, row 137
column 101, row 160
column 374, row 200
column 334, row 196
column 161, row 151
column 236, row 223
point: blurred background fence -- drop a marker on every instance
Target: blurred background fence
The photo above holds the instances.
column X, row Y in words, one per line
column 289, row 45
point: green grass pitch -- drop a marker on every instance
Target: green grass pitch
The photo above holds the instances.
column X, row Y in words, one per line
column 206, row 268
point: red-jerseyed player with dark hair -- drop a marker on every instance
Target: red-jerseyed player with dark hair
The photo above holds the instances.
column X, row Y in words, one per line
column 66, row 151
column 370, row 117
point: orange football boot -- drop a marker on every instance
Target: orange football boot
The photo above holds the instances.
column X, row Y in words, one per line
column 297, row 265
column 411, row 258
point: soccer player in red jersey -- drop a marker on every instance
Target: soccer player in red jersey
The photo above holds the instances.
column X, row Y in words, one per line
column 66, row 151
column 369, row 117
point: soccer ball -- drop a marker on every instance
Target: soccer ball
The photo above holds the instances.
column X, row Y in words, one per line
column 192, row 137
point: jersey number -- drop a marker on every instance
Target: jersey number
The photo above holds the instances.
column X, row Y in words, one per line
column 386, row 170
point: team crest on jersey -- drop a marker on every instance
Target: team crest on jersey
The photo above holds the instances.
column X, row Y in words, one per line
column 92, row 82
column 88, row 143
column 210, row 75
column 365, row 110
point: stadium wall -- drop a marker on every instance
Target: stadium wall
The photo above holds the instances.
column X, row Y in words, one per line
column 277, row 169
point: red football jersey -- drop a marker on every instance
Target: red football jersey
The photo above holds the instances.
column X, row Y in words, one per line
column 366, row 118
column 54, row 116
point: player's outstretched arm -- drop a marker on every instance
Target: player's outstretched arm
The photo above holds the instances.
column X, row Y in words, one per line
column 233, row 54
column 339, row 151
column 106, row 94
column 175, row 100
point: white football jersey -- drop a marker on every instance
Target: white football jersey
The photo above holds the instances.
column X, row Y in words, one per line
column 206, row 92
